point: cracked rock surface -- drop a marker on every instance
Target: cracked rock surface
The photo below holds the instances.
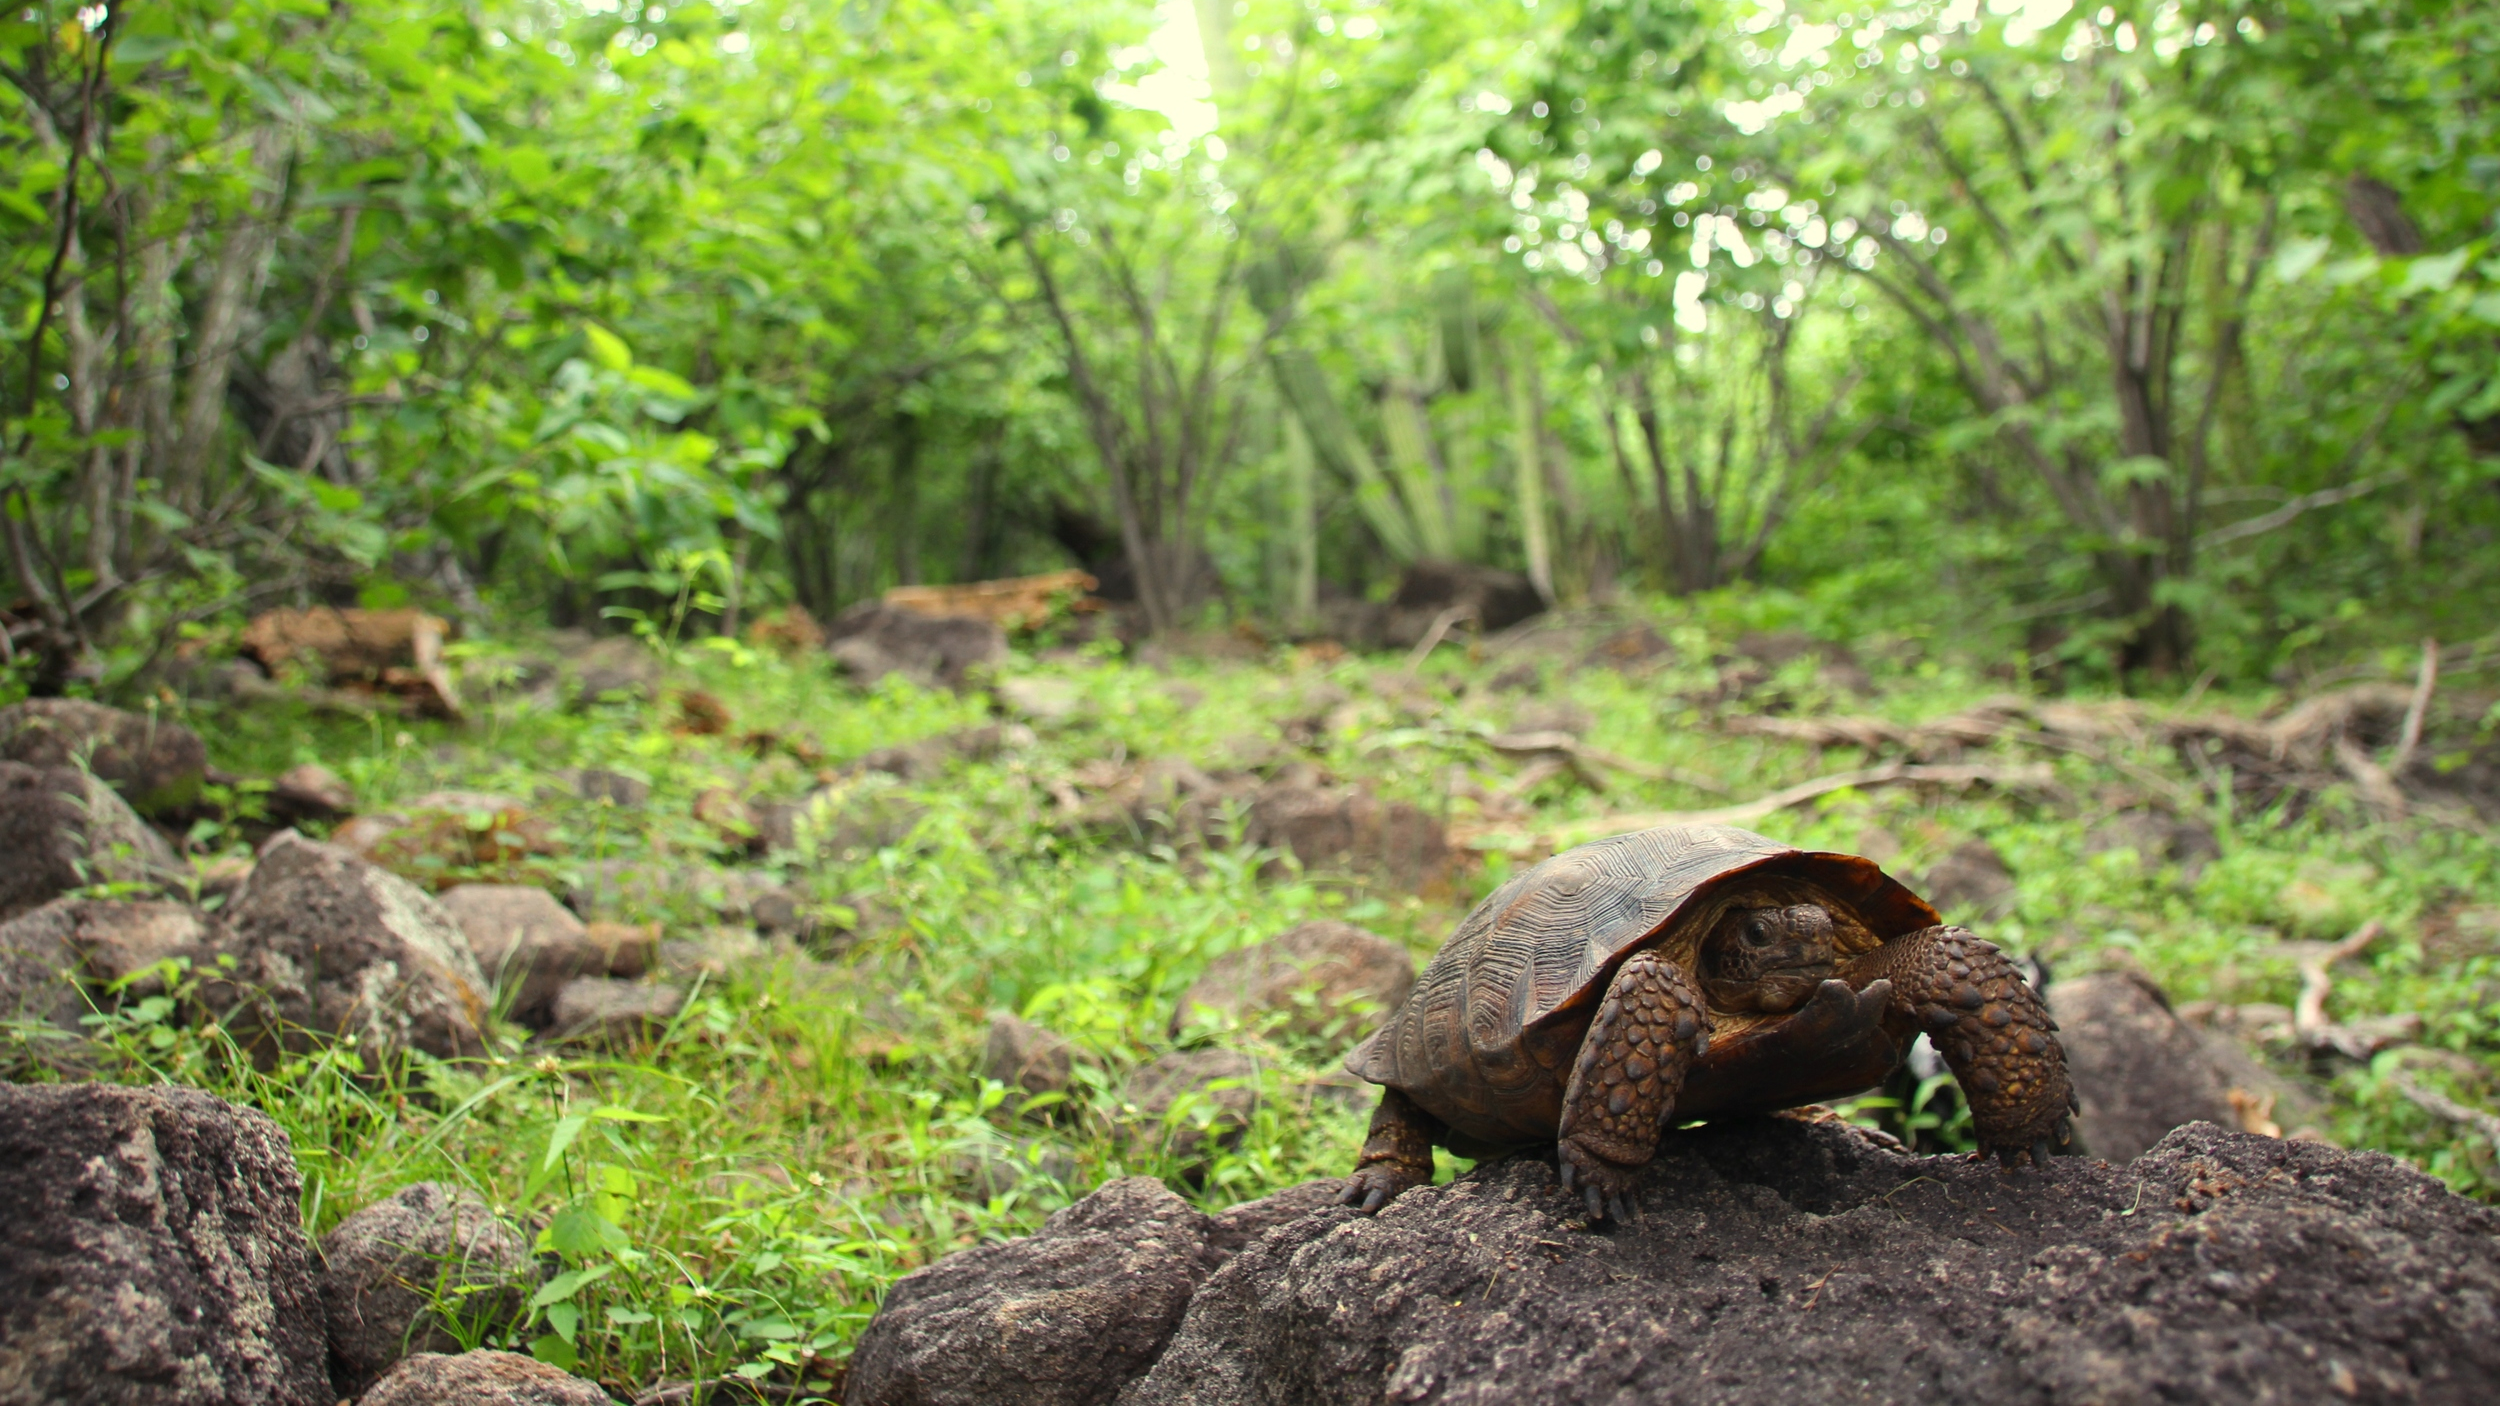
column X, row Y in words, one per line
column 1777, row 1260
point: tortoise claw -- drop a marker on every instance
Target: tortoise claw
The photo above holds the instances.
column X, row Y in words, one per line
column 1570, row 1174
column 1596, row 1202
column 2065, row 1132
column 1377, row 1198
column 2074, row 1101
column 2040, row 1152
column 1620, row 1210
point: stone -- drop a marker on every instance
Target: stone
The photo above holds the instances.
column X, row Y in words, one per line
column 156, row 764
column 598, row 785
column 1778, row 1260
column 481, row 1378
column 1190, row 1101
column 2157, row 840
column 1973, row 880
column 63, row 829
column 1347, row 828
column 1494, row 599
column 1064, row 1317
column 928, row 758
column 616, row 669
column 152, row 1251
column 329, row 944
column 1558, row 715
column 1044, row 702
column 77, row 955
column 310, row 791
column 873, row 639
column 526, row 943
column 1026, row 1057
column 388, row 1269
column 2139, row 1069
column 602, row 1010
column 1324, row 978
column 441, row 830
column 399, row 652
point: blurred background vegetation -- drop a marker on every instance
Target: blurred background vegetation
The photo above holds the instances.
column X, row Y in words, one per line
column 2102, row 340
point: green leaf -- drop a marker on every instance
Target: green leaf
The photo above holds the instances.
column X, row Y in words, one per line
column 607, row 348
column 564, row 1286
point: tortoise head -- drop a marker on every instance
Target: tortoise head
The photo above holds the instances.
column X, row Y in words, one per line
column 1769, row 959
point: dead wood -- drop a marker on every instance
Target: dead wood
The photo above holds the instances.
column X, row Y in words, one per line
column 2032, row 777
column 1587, row 761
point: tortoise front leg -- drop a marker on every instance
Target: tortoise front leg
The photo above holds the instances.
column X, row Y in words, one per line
column 1632, row 1064
column 1992, row 1030
column 1397, row 1154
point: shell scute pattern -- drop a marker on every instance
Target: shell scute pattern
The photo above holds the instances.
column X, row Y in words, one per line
column 1541, row 949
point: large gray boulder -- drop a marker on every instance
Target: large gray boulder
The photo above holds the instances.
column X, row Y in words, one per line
column 155, row 763
column 331, row 944
column 152, row 1251
column 484, row 1378
column 1780, row 1261
column 389, row 1270
column 872, row 639
column 61, row 829
column 1068, row 1315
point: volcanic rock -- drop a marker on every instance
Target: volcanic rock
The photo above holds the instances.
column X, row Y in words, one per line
column 873, row 639
column 152, row 1251
column 62, row 829
column 388, row 1266
column 1324, row 978
column 156, row 764
column 330, row 944
column 482, row 1378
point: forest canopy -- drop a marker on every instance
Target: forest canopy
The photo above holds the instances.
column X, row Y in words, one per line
column 2155, row 338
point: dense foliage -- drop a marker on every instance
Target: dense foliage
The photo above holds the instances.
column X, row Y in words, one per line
column 2157, row 339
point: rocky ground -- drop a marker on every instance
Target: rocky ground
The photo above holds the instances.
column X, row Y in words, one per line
column 643, row 1031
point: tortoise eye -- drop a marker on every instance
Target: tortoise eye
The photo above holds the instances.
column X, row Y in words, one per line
column 1757, row 931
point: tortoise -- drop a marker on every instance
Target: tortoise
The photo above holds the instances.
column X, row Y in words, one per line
column 1684, row 972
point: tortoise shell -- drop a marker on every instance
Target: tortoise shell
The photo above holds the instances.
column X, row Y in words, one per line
column 1485, row 1042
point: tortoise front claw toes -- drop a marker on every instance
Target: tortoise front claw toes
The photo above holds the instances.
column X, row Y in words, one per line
column 1605, row 1187
column 1374, row 1186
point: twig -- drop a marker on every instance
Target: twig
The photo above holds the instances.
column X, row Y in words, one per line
column 1533, row 744
column 2038, row 776
column 1441, row 625
column 2371, row 779
column 2439, row 1105
column 2423, row 683
column 2267, row 522
column 2316, row 982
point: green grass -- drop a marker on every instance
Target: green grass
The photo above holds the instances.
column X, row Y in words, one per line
column 733, row 1198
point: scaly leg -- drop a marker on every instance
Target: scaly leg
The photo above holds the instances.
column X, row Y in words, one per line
column 1648, row 1032
column 1397, row 1154
column 1992, row 1030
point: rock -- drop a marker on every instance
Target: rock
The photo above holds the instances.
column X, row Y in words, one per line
column 1779, row 1260
column 526, row 944
column 1497, row 599
column 152, row 1251
column 1043, row 702
column 310, row 792
column 1351, row 829
column 76, row 955
column 1559, row 715
column 156, row 764
column 440, row 830
column 387, row 1267
column 929, row 757
column 1326, row 978
column 1191, row 1101
column 62, row 829
column 1972, row 879
column 849, row 820
column 1024, row 1056
column 873, row 639
column 2326, row 894
column 2157, row 840
column 788, row 630
column 1632, row 650
column 989, row 1170
column 1064, row 1317
column 2139, row 1069
column 601, row 1010
column 481, row 1378
column 329, row 944
column 615, row 788
column 616, row 669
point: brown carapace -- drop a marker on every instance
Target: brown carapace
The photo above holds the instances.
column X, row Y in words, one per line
column 1689, row 972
